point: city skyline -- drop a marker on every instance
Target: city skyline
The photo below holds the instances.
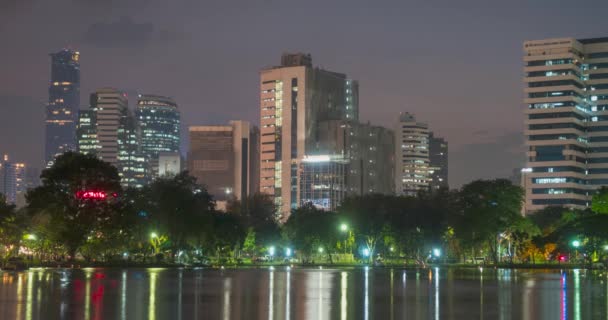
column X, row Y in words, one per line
column 395, row 76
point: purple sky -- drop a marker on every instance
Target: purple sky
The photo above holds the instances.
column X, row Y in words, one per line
column 455, row 64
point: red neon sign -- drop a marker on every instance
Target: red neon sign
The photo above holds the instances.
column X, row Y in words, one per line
column 91, row 194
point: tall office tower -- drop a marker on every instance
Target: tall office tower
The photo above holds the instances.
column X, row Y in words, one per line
column 64, row 99
column 220, row 158
column 133, row 166
column 566, row 121
column 370, row 152
column 12, row 179
column 438, row 157
column 159, row 120
column 109, row 131
column 412, row 172
column 110, row 106
column 86, row 132
column 294, row 99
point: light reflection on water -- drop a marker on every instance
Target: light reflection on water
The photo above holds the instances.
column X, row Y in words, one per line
column 301, row 293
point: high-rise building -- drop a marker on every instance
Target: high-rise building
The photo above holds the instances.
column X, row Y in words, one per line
column 220, row 158
column 109, row 131
column 159, row 120
column 438, row 161
column 566, row 121
column 110, row 106
column 323, row 181
column 412, row 163
column 369, row 150
column 64, row 99
column 133, row 166
column 86, row 132
column 13, row 182
column 294, row 99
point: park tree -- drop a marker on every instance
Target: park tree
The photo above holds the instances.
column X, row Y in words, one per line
column 309, row 228
column 368, row 216
column 70, row 218
column 11, row 228
column 599, row 203
column 487, row 209
column 258, row 214
column 177, row 208
column 226, row 235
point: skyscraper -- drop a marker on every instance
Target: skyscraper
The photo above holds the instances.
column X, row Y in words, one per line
column 369, row 151
column 13, row 182
column 86, row 131
column 566, row 121
column 220, row 158
column 438, row 161
column 159, row 121
column 294, row 99
column 110, row 106
column 64, row 99
column 111, row 132
column 412, row 163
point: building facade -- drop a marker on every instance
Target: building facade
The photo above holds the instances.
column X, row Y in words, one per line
column 159, row 121
column 62, row 108
column 86, row 132
column 412, row 162
column 221, row 159
column 566, row 121
column 323, row 181
column 13, row 182
column 294, row 99
column 438, row 162
column 369, row 150
column 109, row 131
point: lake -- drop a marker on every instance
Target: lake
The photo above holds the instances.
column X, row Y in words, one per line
column 304, row 293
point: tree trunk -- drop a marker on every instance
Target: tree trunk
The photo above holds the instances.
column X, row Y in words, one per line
column 72, row 254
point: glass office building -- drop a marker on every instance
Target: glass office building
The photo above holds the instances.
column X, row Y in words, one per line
column 62, row 108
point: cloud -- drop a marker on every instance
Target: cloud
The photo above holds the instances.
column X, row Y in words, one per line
column 125, row 33
column 495, row 158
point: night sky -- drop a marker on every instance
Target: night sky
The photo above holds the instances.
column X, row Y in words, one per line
column 456, row 64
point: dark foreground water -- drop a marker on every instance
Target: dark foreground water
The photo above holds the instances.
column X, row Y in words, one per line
column 303, row 293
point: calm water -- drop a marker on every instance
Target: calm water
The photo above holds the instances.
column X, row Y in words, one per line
column 301, row 293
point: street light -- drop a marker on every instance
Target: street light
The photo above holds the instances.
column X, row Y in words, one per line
column 288, row 252
column 344, row 227
column 271, row 251
column 437, row 252
column 320, row 249
column 153, row 235
column 30, row 236
column 366, row 252
column 576, row 244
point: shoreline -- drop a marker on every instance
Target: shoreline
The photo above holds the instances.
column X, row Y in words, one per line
column 304, row 266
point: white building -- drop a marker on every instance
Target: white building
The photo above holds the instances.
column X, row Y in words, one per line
column 294, row 99
column 566, row 121
column 412, row 169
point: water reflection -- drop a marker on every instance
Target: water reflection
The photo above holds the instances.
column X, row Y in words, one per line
column 300, row 293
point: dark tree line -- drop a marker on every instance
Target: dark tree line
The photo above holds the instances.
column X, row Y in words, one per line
column 174, row 219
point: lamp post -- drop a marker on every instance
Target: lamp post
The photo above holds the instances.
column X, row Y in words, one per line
column 345, row 229
column 576, row 244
